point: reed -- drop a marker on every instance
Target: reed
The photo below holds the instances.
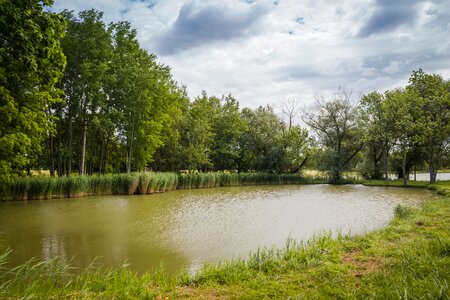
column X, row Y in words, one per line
column 19, row 189
column 125, row 184
column 100, row 184
column 171, row 181
column 75, row 186
column 144, row 180
column 153, row 185
column 38, row 187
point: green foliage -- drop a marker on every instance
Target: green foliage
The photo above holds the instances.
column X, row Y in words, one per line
column 377, row 125
column 31, row 63
column 433, row 94
column 336, row 124
column 261, row 147
column 410, row 126
column 213, row 134
column 118, row 100
column 228, row 126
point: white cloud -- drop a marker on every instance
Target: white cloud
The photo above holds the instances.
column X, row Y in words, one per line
column 263, row 53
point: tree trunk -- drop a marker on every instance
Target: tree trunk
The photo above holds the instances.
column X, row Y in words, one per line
column 105, row 159
column 100, row 164
column 377, row 174
column 336, row 175
column 386, row 165
column 60, row 162
column 405, row 176
column 375, row 162
column 431, row 163
column 433, row 174
column 337, row 168
column 130, row 150
column 83, row 147
column 51, row 162
column 415, row 173
column 69, row 162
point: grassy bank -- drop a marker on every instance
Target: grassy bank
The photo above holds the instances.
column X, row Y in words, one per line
column 397, row 183
column 38, row 187
column 409, row 259
column 441, row 187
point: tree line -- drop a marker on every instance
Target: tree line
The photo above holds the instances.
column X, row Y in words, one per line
column 396, row 131
column 81, row 96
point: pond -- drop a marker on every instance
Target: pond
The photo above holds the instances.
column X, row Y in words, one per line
column 185, row 228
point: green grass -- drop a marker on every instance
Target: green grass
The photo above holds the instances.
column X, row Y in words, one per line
column 397, row 183
column 441, row 187
column 408, row 259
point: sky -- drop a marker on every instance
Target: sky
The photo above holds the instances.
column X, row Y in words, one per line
column 271, row 51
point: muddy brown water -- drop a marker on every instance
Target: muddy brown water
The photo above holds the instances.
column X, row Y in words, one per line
column 185, row 228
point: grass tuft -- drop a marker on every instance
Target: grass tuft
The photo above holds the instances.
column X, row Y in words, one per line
column 403, row 212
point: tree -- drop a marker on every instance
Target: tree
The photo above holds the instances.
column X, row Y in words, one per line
column 141, row 93
column 290, row 110
column 170, row 157
column 434, row 96
column 260, row 145
column 405, row 110
column 335, row 123
column 297, row 148
column 295, row 140
column 198, row 134
column 87, row 45
column 378, row 133
column 31, row 63
column 228, row 127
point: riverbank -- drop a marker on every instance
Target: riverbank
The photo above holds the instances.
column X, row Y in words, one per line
column 410, row 258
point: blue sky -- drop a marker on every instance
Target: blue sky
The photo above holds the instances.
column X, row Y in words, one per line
column 266, row 51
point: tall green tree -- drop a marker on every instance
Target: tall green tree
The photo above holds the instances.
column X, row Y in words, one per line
column 227, row 127
column 378, row 134
column 261, row 144
column 170, row 156
column 434, row 97
column 87, row 45
column 198, row 135
column 31, row 63
column 405, row 109
column 141, row 93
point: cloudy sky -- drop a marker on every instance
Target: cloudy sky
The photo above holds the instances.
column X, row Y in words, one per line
column 267, row 51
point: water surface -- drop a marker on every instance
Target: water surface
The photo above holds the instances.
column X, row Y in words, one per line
column 185, row 228
column 426, row 176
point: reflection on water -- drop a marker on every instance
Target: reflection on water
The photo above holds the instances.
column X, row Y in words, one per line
column 188, row 227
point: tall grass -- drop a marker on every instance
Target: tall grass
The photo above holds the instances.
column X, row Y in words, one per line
column 38, row 187
column 125, row 184
column 224, row 179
